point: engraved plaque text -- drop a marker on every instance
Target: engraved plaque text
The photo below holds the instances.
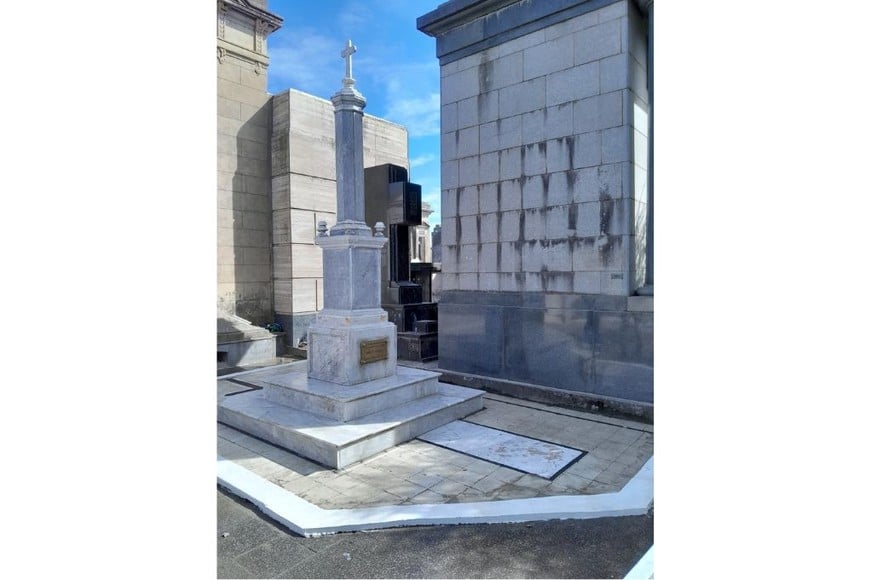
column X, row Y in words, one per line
column 372, row 350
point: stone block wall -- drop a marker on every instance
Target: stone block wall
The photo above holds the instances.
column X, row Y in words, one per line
column 544, row 154
column 244, row 285
column 538, row 170
column 303, row 193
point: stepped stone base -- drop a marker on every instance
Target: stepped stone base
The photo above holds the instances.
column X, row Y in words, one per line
column 338, row 425
column 241, row 343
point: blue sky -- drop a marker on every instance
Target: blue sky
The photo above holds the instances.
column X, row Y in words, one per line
column 395, row 68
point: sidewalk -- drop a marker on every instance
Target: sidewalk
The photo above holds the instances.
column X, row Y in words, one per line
column 605, row 469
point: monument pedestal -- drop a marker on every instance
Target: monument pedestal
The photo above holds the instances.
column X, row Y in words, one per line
column 349, row 400
column 338, row 426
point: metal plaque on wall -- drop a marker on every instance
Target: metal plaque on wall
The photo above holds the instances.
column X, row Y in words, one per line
column 372, row 350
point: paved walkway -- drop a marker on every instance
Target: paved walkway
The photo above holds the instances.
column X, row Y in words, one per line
column 420, row 473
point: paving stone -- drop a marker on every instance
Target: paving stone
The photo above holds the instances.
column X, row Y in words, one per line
column 463, row 461
column 344, row 483
column 597, row 487
column 588, row 467
column 360, row 493
column 555, row 488
column 322, row 495
column 633, row 457
column 299, row 485
column 293, row 462
column 532, row 482
column 405, row 489
column 262, row 466
column 575, row 482
column 608, row 450
column 449, row 488
column 425, row 479
column 624, row 436
column 489, row 483
column 613, row 475
column 285, row 477
column 509, row 491
column 427, row 497
column 466, row 477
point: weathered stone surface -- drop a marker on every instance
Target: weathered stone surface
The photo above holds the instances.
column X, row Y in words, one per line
column 563, row 210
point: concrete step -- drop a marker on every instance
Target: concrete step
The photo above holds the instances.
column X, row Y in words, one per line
column 348, row 402
column 339, row 444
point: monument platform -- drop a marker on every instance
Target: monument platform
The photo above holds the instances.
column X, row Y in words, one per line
column 338, row 425
column 241, row 343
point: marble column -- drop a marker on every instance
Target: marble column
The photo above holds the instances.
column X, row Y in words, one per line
column 351, row 341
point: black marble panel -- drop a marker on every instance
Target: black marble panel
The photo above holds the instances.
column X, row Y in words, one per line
column 623, row 380
column 471, row 338
column 625, row 337
column 405, row 316
column 417, row 346
column 548, row 347
column 582, row 343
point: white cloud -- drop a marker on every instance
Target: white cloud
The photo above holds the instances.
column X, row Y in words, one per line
column 307, row 61
column 422, row 160
column 421, row 115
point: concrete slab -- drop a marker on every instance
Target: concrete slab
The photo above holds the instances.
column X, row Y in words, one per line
column 533, row 456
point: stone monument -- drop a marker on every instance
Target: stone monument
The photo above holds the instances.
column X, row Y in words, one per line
column 391, row 197
column 349, row 400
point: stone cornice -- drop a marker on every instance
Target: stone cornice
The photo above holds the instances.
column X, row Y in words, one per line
column 272, row 22
column 465, row 27
column 456, row 13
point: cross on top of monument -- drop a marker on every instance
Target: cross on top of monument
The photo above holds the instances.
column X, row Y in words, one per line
column 347, row 55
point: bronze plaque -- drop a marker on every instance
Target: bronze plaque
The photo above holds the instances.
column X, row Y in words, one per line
column 372, row 350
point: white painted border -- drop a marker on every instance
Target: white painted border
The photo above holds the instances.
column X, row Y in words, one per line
column 643, row 570
column 308, row 519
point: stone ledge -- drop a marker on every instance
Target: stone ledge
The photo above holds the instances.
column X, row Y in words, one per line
column 640, row 304
column 551, row 396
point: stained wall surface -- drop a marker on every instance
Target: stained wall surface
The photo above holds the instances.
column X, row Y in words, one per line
column 543, row 180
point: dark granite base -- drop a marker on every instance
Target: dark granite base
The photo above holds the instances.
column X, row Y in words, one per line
column 404, row 316
column 583, row 343
column 417, row 346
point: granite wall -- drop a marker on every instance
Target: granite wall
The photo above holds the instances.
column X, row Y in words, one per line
column 544, row 154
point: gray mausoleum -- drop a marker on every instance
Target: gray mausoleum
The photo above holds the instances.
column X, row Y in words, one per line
column 546, row 177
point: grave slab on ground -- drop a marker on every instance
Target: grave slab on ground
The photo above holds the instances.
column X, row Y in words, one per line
column 533, row 456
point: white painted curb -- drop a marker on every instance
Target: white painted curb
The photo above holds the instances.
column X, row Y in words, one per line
column 643, row 570
column 307, row 519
